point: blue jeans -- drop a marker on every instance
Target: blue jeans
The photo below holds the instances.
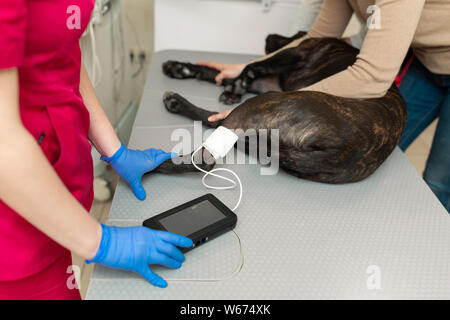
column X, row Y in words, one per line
column 427, row 97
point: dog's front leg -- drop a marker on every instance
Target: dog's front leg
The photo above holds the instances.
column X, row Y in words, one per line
column 282, row 62
column 185, row 70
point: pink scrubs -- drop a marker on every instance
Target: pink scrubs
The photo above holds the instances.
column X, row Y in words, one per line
column 41, row 39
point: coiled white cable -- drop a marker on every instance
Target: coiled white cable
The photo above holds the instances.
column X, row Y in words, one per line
column 235, row 272
column 211, row 173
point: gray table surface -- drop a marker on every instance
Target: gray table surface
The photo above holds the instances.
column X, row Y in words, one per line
column 299, row 239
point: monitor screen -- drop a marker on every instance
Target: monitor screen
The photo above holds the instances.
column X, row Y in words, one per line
column 192, row 219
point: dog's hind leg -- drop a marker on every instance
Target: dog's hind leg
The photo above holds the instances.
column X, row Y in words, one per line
column 183, row 164
column 182, row 70
column 175, row 103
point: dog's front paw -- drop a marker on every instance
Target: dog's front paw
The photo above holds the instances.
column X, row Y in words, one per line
column 169, row 67
column 229, row 98
column 177, row 70
column 234, row 90
column 171, row 102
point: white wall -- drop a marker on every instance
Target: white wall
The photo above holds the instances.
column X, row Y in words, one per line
column 238, row 26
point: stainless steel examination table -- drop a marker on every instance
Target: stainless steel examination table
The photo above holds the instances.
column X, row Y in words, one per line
column 386, row 237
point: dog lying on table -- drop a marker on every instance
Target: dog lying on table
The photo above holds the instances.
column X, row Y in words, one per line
column 322, row 137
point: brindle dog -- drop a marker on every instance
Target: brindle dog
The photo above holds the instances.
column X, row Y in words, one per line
column 323, row 137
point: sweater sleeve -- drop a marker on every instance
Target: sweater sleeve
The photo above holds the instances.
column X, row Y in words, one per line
column 382, row 53
column 13, row 24
column 332, row 21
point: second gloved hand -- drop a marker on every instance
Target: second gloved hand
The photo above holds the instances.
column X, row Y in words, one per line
column 135, row 248
column 131, row 165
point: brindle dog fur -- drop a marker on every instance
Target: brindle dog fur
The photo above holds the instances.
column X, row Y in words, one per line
column 323, row 138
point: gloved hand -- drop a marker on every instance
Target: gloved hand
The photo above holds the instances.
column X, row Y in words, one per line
column 131, row 165
column 134, row 248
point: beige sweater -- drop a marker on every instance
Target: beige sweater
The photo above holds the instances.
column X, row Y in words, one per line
column 422, row 24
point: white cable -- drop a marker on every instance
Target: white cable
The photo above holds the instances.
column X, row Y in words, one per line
column 207, row 173
column 230, row 276
column 235, row 272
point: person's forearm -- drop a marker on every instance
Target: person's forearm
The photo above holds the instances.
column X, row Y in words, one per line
column 101, row 132
column 31, row 187
column 381, row 56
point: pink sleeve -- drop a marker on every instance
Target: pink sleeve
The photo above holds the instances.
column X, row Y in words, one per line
column 13, row 24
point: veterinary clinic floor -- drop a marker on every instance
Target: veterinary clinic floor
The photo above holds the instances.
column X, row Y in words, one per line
column 417, row 154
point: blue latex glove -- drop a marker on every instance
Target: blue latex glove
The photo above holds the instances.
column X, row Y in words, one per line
column 131, row 165
column 134, row 248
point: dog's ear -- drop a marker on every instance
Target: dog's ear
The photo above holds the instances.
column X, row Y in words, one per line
column 275, row 41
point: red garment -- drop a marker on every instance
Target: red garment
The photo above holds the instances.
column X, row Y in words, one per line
column 55, row 282
column 41, row 39
column 401, row 75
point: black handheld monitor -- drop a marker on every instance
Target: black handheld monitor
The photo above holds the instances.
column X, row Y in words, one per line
column 201, row 220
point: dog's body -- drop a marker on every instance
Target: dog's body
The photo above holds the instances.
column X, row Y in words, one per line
column 323, row 138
